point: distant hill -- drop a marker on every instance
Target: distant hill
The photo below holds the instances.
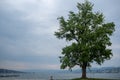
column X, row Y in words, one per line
column 9, row 71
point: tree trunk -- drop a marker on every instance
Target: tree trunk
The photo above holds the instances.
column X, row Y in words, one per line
column 84, row 71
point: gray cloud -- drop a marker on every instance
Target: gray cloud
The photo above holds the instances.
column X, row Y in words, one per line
column 27, row 31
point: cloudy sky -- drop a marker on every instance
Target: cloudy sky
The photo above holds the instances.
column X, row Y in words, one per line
column 27, row 29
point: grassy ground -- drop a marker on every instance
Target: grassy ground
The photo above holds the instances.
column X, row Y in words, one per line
column 92, row 79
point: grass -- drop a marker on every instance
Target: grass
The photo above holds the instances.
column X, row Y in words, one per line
column 92, row 79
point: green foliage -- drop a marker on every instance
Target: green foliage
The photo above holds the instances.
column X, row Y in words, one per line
column 89, row 34
column 92, row 79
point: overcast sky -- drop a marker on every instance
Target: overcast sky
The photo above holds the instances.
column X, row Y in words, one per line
column 27, row 29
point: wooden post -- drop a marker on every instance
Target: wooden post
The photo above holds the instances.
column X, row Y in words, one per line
column 51, row 77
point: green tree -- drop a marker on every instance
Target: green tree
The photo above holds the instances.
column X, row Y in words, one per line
column 90, row 37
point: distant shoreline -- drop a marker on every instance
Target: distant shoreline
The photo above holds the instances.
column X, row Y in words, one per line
column 9, row 75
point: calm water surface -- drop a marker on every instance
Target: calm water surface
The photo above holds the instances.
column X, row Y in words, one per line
column 60, row 76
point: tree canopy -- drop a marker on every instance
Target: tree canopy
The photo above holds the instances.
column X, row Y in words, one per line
column 89, row 34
